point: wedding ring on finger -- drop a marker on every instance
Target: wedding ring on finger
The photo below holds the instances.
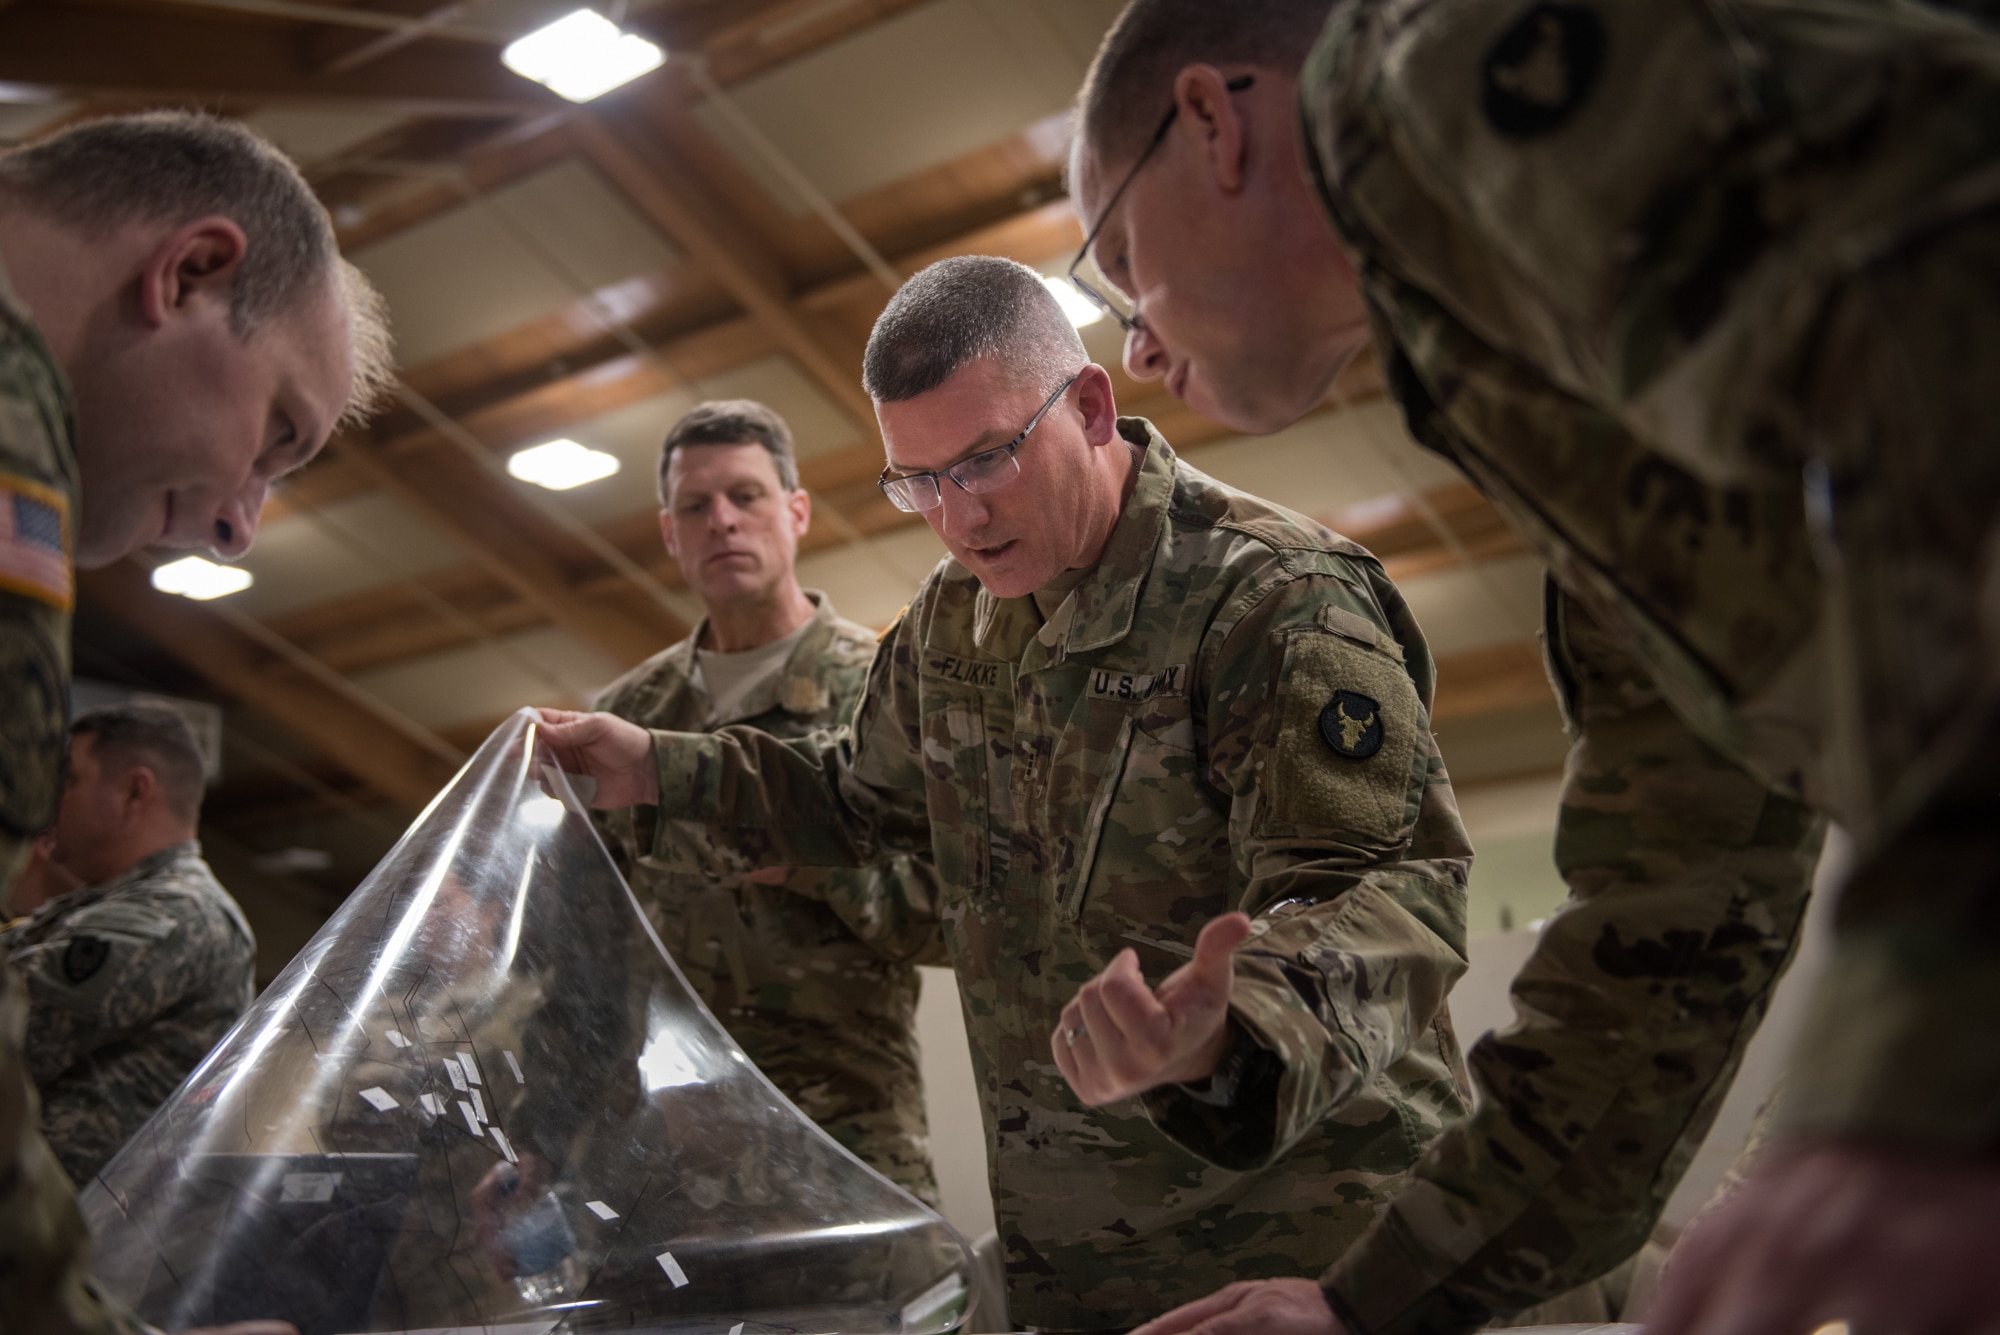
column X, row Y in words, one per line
column 1072, row 1037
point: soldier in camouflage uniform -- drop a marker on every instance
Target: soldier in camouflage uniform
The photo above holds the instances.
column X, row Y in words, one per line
column 827, row 1009
column 1132, row 702
column 133, row 978
column 195, row 241
column 1699, row 295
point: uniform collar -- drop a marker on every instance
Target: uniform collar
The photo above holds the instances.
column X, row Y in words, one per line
column 146, row 868
column 797, row 688
column 1100, row 609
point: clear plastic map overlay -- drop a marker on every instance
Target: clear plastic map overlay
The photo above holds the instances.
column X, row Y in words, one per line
column 484, row 1096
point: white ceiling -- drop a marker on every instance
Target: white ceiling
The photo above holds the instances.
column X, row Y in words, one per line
column 927, row 86
column 508, row 257
column 314, row 136
column 312, row 557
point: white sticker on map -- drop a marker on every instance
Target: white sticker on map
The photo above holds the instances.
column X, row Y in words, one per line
column 309, row 1188
column 673, row 1269
column 379, row 1099
column 478, row 1106
column 506, row 1148
column 471, row 1070
column 514, row 1066
column 431, row 1104
column 601, row 1210
column 457, row 1076
column 471, row 1122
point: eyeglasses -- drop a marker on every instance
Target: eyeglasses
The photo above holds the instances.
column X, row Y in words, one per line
column 1084, row 271
column 988, row 470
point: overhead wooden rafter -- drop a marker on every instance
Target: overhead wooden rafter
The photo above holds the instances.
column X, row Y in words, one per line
column 640, row 165
column 385, row 757
column 75, row 49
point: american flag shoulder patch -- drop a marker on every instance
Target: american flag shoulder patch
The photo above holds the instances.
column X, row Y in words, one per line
column 34, row 542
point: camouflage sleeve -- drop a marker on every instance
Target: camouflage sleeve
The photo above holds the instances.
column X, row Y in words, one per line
column 1688, row 881
column 1898, row 1047
column 43, row 1244
column 738, row 799
column 114, row 968
column 1342, row 823
column 895, row 912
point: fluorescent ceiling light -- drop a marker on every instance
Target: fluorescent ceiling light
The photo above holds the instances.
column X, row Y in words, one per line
column 193, row 577
column 562, row 464
column 582, row 56
column 1080, row 309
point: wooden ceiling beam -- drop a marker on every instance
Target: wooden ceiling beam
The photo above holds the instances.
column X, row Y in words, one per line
column 639, row 165
column 515, row 543
column 1490, row 681
column 381, row 756
column 78, row 49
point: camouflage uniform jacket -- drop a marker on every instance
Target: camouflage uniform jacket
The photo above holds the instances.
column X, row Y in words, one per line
column 1231, row 711
column 1661, row 279
column 131, row 982
column 826, row 1009
column 43, row 1288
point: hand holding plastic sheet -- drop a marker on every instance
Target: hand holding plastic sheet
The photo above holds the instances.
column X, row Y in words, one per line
column 484, row 1096
column 616, row 755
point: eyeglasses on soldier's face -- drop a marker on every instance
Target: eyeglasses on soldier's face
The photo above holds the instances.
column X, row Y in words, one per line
column 986, row 471
column 1085, row 273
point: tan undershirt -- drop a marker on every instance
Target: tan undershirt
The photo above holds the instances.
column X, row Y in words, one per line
column 730, row 678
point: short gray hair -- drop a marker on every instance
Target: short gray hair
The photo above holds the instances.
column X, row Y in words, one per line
column 173, row 167
column 1129, row 85
column 130, row 736
column 732, row 422
column 960, row 310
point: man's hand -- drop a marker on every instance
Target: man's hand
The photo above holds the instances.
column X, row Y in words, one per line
column 1880, row 1239
column 618, row 754
column 1254, row 1307
column 1119, row 1038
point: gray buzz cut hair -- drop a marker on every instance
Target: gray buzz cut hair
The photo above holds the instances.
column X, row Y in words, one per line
column 1129, row 85
column 172, row 167
column 960, row 310
column 732, row 422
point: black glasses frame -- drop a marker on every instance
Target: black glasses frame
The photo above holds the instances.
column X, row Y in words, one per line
column 1129, row 323
column 937, row 487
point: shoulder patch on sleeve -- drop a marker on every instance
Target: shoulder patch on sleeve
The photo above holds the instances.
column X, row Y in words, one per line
column 139, row 922
column 1347, row 756
column 1358, row 628
column 84, row 957
column 34, row 542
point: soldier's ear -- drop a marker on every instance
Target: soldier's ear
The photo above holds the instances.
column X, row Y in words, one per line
column 1208, row 111
column 200, row 257
column 138, row 788
column 799, row 504
column 667, row 533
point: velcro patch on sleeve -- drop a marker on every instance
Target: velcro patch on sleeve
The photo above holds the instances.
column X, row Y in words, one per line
column 1345, row 763
column 34, row 542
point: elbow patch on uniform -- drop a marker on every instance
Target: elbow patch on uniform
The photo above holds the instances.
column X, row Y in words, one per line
column 1344, row 762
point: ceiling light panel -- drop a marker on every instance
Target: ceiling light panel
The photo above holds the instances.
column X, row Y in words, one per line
column 582, row 56
column 1081, row 310
column 194, row 577
column 561, row 464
